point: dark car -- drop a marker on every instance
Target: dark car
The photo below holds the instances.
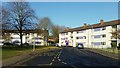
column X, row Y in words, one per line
column 7, row 43
column 16, row 43
column 80, row 46
column 26, row 44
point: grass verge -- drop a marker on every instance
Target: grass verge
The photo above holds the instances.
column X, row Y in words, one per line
column 9, row 52
column 110, row 50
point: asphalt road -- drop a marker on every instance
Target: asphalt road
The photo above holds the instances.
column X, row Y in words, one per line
column 71, row 58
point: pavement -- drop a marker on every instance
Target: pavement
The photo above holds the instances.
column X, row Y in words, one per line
column 69, row 57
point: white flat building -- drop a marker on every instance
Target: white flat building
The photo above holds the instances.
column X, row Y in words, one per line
column 33, row 37
column 91, row 36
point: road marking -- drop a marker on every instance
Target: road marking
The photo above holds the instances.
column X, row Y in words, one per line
column 54, row 57
column 50, row 63
column 53, row 60
column 59, row 59
column 64, row 63
column 43, row 64
column 74, row 66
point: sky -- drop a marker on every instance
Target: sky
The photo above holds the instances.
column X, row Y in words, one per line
column 75, row 14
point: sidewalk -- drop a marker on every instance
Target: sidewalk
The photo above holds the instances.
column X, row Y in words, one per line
column 105, row 53
column 24, row 57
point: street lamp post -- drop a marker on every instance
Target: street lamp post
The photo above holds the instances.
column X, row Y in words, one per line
column 34, row 43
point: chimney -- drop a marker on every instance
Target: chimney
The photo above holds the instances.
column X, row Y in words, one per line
column 101, row 22
column 85, row 25
column 66, row 28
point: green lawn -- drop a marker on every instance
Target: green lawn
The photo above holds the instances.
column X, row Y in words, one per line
column 111, row 50
column 8, row 52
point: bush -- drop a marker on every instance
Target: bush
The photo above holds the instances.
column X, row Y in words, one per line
column 114, row 44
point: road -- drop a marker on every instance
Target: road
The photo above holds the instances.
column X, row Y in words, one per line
column 71, row 58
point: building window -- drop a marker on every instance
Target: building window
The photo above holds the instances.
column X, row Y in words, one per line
column 37, row 42
column 103, row 36
column 77, row 32
column 114, row 26
column 63, row 34
column 26, row 37
column 97, row 36
column 77, row 37
column 15, row 33
column 97, row 43
column 103, row 43
column 71, row 36
column 81, row 37
column 97, row 29
column 15, row 37
column 84, row 37
column 104, row 28
column 62, row 38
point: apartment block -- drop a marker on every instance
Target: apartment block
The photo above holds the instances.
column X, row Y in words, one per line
column 91, row 36
column 33, row 37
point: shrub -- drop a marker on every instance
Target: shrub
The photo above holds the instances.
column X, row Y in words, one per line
column 114, row 44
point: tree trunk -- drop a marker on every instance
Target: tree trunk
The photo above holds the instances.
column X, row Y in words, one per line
column 47, row 37
column 21, row 38
column 21, row 33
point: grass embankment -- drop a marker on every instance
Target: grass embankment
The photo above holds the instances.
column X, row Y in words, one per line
column 110, row 50
column 9, row 52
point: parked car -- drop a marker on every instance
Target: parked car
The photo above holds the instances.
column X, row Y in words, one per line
column 53, row 44
column 7, row 43
column 16, row 43
column 80, row 46
column 26, row 44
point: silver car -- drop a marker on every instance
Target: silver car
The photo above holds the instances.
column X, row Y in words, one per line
column 80, row 46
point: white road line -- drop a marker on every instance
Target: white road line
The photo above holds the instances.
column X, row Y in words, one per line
column 64, row 63
column 59, row 59
column 74, row 66
column 53, row 60
column 50, row 63
column 43, row 64
column 54, row 57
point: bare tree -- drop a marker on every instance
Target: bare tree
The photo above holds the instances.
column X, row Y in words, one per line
column 46, row 25
column 20, row 16
column 116, row 34
column 56, row 30
column 6, row 37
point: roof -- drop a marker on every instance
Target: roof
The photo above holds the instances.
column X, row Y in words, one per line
column 98, row 25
